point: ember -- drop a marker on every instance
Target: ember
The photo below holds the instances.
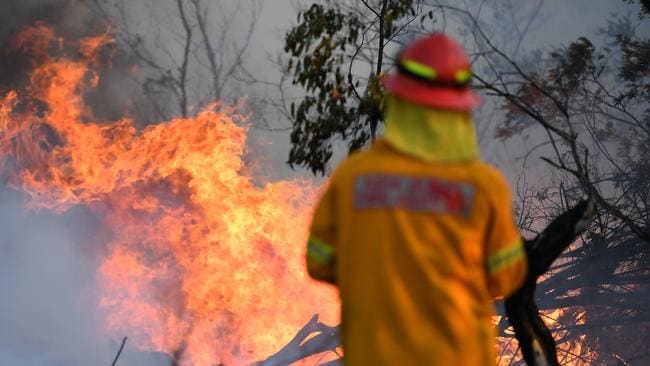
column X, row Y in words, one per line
column 201, row 262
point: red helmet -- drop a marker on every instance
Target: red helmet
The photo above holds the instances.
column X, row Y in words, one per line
column 435, row 71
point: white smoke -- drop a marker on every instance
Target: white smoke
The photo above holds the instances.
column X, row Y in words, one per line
column 48, row 303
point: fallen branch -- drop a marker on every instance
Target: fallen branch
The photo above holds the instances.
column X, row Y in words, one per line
column 327, row 339
column 119, row 351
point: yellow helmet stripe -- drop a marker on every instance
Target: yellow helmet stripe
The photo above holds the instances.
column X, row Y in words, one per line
column 462, row 76
column 419, row 69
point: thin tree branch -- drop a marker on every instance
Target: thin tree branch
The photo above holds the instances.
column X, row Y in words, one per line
column 209, row 49
column 183, row 69
column 119, row 351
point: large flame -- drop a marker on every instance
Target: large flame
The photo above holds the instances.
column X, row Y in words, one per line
column 201, row 261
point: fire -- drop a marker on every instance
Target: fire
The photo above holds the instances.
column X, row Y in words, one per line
column 201, row 261
column 570, row 351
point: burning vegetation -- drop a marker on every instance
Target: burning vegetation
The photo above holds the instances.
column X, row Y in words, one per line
column 200, row 262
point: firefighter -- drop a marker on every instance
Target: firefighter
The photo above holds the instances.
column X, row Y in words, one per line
column 416, row 231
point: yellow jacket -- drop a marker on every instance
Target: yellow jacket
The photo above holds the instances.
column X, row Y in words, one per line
column 418, row 250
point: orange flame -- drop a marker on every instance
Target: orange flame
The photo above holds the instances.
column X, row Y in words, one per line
column 200, row 259
column 570, row 352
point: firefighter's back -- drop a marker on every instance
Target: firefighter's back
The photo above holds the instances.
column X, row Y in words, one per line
column 411, row 261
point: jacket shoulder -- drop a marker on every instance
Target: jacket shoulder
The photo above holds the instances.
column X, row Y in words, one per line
column 354, row 162
column 491, row 183
column 490, row 176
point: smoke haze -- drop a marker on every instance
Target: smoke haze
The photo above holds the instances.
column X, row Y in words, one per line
column 48, row 301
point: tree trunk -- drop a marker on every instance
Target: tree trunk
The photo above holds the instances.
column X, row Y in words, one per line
column 535, row 340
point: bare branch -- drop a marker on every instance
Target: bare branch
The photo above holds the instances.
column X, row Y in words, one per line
column 183, row 69
column 119, row 351
column 199, row 14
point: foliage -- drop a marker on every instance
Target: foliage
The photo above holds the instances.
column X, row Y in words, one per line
column 593, row 110
column 336, row 54
column 593, row 106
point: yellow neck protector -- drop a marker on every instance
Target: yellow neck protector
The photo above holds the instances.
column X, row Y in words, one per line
column 433, row 135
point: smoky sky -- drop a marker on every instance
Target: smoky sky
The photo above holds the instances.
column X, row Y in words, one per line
column 68, row 17
column 117, row 95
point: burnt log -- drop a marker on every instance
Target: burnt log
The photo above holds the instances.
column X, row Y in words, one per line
column 535, row 339
column 324, row 338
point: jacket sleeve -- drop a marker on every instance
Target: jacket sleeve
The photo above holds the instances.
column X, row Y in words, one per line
column 321, row 245
column 506, row 263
